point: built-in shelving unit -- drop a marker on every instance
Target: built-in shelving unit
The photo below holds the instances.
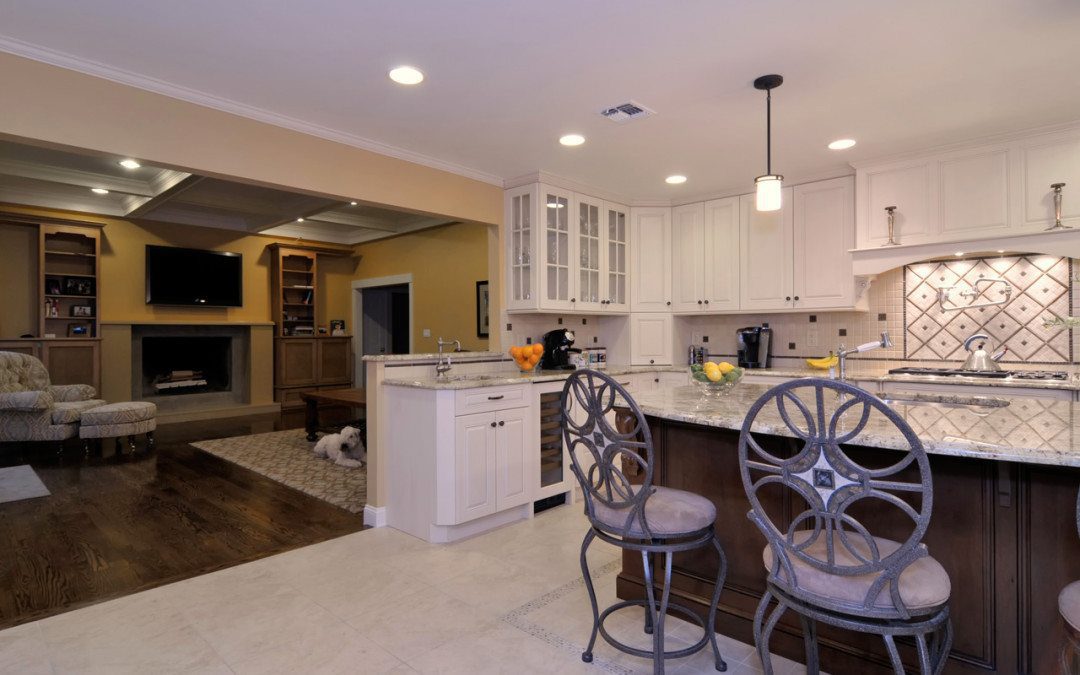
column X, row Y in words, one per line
column 68, row 261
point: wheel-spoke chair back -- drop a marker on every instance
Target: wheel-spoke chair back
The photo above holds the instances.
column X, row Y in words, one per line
column 601, row 455
column 821, row 416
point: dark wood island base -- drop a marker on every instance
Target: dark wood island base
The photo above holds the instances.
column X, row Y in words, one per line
column 1004, row 531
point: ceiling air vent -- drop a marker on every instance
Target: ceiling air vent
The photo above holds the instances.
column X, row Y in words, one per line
column 625, row 112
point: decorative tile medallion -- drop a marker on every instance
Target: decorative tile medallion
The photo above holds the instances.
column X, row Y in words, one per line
column 1041, row 288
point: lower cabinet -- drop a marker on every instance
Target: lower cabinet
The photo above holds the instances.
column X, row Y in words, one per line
column 68, row 360
column 490, row 462
column 303, row 364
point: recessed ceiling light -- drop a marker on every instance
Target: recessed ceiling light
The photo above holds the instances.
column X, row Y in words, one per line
column 1001, row 250
column 352, row 203
column 572, row 139
column 99, row 191
column 555, row 205
column 406, row 75
column 842, row 144
column 959, row 253
column 129, row 164
column 675, row 180
column 299, row 220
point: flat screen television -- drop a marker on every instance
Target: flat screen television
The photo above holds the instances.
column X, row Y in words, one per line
column 188, row 276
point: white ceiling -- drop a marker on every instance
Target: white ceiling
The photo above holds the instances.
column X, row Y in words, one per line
column 505, row 79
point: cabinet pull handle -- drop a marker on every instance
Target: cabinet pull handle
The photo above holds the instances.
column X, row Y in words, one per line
column 492, row 425
column 573, row 299
column 656, row 379
column 707, row 302
column 502, row 423
column 496, row 398
column 669, row 303
column 788, row 298
column 652, row 361
column 796, row 298
column 699, row 302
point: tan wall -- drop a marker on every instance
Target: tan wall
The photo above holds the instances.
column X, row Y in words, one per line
column 445, row 262
column 123, row 120
column 18, row 270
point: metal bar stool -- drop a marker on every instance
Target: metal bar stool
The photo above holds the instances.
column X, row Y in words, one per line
column 1069, row 606
column 824, row 564
column 651, row 519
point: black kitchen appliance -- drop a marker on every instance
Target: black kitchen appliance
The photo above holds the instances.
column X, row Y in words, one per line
column 755, row 346
column 557, row 347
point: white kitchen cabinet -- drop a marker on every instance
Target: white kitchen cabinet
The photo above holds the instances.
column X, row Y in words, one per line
column 650, row 259
column 590, row 246
column 651, row 338
column 617, row 258
column 513, row 448
column 824, row 233
column 521, row 247
column 1039, row 162
column 973, row 189
column 474, row 466
column 765, row 279
column 705, row 242
column 906, row 185
column 558, row 245
column 687, row 247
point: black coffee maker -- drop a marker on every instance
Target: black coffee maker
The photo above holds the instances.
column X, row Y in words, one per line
column 755, row 346
column 557, row 347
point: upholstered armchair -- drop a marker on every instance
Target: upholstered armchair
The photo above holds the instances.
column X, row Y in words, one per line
column 32, row 409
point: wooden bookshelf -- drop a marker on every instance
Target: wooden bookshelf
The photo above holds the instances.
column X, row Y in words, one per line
column 295, row 292
column 69, row 260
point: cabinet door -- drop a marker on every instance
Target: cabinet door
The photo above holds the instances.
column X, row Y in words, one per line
column 974, row 193
column 721, row 259
column 296, row 362
column 765, row 241
column 474, row 466
column 1045, row 160
column 521, row 242
column 73, row 362
column 908, row 187
column 558, row 243
column 590, row 245
column 824, row 234
column 335, row 360
column 617, row 259
column 513, row 478
column 650, row 259
column 688, row 258
column 650, row 339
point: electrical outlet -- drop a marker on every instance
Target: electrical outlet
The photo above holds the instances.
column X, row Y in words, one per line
column 813, row 338
column 427, row 332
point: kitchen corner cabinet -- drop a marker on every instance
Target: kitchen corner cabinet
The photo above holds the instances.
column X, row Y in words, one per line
column 650, row 259
column 651, row 338
column 565, row 251
column 705, row 242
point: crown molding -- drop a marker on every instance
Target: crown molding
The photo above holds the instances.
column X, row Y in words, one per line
column 154, row 85
column 555, row 180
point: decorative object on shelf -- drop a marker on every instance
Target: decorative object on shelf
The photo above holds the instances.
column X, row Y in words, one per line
column 337, row 327
column 78, row 330
column 78, row 286
column 977, row 288
column 304, row 330
column 82, row 310
column 52, row 308
column 890, row 217
column 322, row 330
column 1056, row 187
column 483, row 320
column 770, row 185
column 52, row 286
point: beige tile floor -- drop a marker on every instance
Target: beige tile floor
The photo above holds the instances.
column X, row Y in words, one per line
column 377, row 601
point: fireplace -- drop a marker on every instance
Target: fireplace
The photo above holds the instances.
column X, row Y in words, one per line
column 189, row 367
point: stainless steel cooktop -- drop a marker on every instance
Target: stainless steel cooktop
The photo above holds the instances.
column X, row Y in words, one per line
column 1000, row 374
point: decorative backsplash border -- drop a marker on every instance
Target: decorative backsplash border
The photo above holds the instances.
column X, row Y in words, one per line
column 1041, row 287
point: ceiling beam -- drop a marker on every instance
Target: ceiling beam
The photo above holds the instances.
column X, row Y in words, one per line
column 173, row 187
column 74, row 177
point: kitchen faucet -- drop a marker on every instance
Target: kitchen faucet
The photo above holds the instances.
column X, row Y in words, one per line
column 441, row 368
column 843, row 352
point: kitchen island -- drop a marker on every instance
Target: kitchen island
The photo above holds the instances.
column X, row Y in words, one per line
column 1005, row 475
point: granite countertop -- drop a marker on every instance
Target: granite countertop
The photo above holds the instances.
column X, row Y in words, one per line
column 472, row 381
column 434, row 356
column 1027, row 430
column 872, row 372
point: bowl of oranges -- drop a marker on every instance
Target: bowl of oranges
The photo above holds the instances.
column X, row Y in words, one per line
column 715, row 378
column 527, row 356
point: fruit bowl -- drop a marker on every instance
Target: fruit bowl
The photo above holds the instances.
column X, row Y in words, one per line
column 716, row 379
column 527, row 356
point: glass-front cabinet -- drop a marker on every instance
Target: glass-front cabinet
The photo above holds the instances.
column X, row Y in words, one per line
column 565, row 251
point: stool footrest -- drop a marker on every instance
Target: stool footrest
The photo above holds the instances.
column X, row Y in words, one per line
column 647, row 653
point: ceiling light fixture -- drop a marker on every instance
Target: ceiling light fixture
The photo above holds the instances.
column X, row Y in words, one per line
column 571, row 140
column 129, row 164
column 769, row 186
column 299, row 220
column 675, row 180
column 406, row 75
column 99, row 191
column 842, row 144
column 352, row 203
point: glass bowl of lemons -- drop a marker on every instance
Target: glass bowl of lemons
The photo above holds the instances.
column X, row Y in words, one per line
column 716, row 379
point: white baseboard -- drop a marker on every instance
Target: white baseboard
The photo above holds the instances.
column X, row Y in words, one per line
column 375, row 516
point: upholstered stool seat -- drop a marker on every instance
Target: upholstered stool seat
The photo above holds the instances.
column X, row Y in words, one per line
column 69, row 412
column 119, row 419
column 924, row 584
column 669, row 513
column 1069, row 605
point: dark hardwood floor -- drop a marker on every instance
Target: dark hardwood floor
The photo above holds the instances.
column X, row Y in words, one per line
column 115, row 525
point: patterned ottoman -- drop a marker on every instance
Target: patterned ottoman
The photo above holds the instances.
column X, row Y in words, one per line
column 120, row 419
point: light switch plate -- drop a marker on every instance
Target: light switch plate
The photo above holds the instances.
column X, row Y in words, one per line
column 427, row 332
column 812, row 338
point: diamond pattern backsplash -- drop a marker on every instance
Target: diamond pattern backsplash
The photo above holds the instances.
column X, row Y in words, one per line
column 1041, row 288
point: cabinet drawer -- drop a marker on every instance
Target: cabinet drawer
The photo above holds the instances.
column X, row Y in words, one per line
column 484, row 399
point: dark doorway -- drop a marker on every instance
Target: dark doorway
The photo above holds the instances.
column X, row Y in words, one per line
column 386, row 326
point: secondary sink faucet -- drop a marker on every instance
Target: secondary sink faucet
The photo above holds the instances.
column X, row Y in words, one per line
column 443, row 367
column 843, row 352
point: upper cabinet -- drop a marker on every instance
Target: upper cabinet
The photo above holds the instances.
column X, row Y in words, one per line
column 650, row 259
column 823, row 234
column 705, row 242
column 766, row 253
column 981, row 192
column 617, row 262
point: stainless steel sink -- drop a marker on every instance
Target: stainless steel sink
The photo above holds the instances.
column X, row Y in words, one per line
column 978, row 403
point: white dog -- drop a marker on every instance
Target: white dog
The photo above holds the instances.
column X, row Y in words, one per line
column 344, row 447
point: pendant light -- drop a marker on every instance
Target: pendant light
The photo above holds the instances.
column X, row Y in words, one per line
column 768, row 186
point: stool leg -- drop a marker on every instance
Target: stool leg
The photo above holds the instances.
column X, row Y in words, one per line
column 86, row 447
column 119, row 447
column 924, row 654
column 894, row 656
column 149, row 440
column 809, row 627
column 587, row 655
column 648, row 615
column 658, row 636
column 650, row 598
column 710, row 625
column 763, row 629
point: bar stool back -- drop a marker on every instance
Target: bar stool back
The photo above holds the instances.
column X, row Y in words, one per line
column 1069, row 606
column 633, row 514
column 823, row 563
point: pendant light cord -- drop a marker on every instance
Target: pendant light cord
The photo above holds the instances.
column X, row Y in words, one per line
column 768, row 131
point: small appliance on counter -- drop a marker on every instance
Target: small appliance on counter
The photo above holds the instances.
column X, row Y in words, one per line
column 558, row 345
column 697, row 354
column 755, row 346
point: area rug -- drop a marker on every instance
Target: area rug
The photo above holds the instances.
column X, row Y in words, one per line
column 20, row 482
column 285, row 456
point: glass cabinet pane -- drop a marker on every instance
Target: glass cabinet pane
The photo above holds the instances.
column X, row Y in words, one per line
column 520, row 237
column 616, row 262
column 557, row 240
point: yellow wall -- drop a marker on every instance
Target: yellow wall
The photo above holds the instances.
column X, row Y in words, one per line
column 445, row 262
column 20, row 311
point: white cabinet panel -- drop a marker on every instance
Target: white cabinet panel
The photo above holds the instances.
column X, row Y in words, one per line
column 617, row 258
column 687, row 247
column 1054, row 159
column 474, row 466
column 765, row 244
column 650, row 255
column 824, row 232
column 721, row 260
column 558, row 245
column 590, row 249
column 650, row 339
column 513, row 476
column 908, row 188
column 975, row 193
column 521, row 244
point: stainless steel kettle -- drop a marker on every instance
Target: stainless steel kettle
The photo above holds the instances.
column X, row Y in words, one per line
column 979, row 360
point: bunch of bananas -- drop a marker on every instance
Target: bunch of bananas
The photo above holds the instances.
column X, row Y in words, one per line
column 824, row 362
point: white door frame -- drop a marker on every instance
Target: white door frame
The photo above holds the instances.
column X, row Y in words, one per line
column 358, row 317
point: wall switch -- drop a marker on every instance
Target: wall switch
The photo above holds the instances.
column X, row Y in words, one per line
column 813, row 339
column 427, row 332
